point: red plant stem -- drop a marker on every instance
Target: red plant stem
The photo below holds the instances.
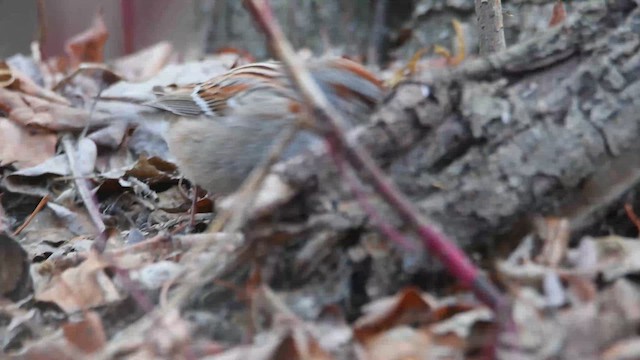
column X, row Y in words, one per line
column 128, row 22
column 356, row 188
column 454, row 259
column 31, row 216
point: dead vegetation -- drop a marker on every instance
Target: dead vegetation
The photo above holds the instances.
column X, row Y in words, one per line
column 520, row 158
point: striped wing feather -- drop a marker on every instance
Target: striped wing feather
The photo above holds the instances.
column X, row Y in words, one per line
column 263, row 89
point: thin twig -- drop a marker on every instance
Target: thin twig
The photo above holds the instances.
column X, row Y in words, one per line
column 33, row 214
column 444, row 249
column 490, row 26
column 357, row 188
column 82, row 184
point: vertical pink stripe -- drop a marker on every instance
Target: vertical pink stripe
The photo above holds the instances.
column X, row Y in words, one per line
column 128, row 21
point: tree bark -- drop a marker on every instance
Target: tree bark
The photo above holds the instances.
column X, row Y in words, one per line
column 549, row 126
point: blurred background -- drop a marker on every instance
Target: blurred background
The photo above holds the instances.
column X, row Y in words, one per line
column 378, row 30
column 132, row 24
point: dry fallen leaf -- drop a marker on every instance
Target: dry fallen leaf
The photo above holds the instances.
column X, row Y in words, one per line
column 408, row 306
column 555, row 234
column 24, row 147
column 35, row 180
column 88, row 334
column 48, row 349
column 400, row 343
column 33, row 111
column 74, row 218
column 88, row 46
column 618, row 256
column 559, row 13
column 80, row 288
column 24, row 84
column 300, row 345
column 110, row 136
column 627, row 349
column 144, row 63
column 6, row 75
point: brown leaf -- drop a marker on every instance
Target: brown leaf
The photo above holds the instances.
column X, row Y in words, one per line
column 80, row 288
column 559, row 14
column 32, row 111
column 24, row 147
column 555, row 234
column 300, row 346
column 387, row 313
column 24, row 84
column 458, row 330
column 88, row 334
column 6, row 75
column 153, row 169
column 88, row 46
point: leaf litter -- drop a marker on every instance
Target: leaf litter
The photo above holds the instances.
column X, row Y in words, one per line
column 62, row 297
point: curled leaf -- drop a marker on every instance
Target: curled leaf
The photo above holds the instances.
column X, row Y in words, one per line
column 6, row 75
column 88, row 46
column 558, row 14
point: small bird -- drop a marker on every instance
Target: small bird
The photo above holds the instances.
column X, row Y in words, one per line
column 225, row 126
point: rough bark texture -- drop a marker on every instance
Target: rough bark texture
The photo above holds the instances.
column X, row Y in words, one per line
column 547, row 127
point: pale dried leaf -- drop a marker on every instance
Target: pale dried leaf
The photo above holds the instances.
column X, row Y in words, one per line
column 153, row 276
column 555, row 234
column 26, row 85
column 6, row 75
column 618, row 256
column 24, row 147
column 144, row 63
column 80, row 288
column 553, row 290
column 400, row 343
column 461, row 324
column 110, row 136
column 75, row 219
column 628, row 349
column 86, row 155
column 29, row 110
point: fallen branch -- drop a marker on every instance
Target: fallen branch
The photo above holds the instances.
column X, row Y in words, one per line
column 444, row 249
